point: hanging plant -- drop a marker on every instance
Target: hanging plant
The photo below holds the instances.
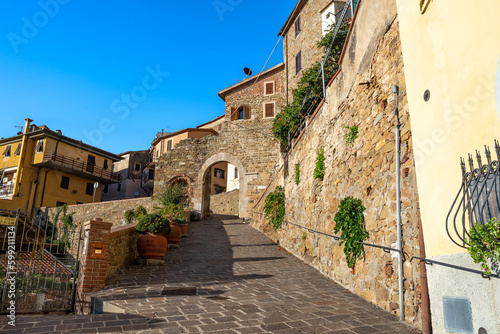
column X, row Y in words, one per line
column 274, row 207
column 319, row 170
column 483, row 246
column 350, row 221
column 351, row 135
column 297, row 174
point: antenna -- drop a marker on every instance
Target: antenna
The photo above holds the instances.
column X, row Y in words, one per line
column 19, row 126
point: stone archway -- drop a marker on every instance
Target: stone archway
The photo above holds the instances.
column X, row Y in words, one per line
column 201, row 199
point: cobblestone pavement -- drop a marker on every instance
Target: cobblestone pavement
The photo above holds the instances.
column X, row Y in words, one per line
column 245, row 284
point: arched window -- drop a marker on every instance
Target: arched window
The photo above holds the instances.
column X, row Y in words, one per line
column 243, row 112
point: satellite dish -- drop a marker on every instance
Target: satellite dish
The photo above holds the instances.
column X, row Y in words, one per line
column 247, row 71
column 136, row 194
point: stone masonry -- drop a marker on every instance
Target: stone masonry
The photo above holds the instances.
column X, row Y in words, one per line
column 360, row 95
column 225, row 203
column 245, row 143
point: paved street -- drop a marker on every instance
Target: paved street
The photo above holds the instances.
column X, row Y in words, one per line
column 245, row 284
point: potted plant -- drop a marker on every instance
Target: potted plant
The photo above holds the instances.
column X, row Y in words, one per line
column 182, row 223
column 152, row 244
column 484, row 246
column 173, row 212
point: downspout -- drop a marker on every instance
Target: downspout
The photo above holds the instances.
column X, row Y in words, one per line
column 426, row 305
column 286, row 65
column 17, row 182
column 395, row 90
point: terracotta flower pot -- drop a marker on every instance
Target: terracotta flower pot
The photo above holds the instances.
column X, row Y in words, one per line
column 175, row 234
column 152, row 246
column 184, row 228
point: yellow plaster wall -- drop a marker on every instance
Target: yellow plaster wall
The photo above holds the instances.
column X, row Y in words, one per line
column 453, row 51
column 13, row 160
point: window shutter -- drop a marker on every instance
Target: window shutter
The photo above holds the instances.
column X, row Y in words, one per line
column 269, row 88
column 233, row 114
column 18, row 149
column 269, row 109
column 246, row 112
column 297, row 26
column 169, row 145
column 298, row 62
column 6, row 153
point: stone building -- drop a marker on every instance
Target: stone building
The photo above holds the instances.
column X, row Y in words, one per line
column 130, row 168
column 245, row 142
column 301, row 33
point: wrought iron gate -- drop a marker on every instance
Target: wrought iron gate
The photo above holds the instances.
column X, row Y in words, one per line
column 39, row 262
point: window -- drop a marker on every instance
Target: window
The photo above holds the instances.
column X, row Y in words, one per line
column 90, row 163
column 78, row 202
column 269, row 88
column 90, row 189
column 219, row 173
column 269, row 109
column 243, row 112
column 64, row 182
column 18, row 149
column 297, row 26
column 298, row 62
column 235, row 172
column 169, row 145
column 39, row 146
column 220, row 127
column 105, row 167
column 6, row 153
column 119, row 188
column 137, row 167
column 60, row 203
column 105, row 189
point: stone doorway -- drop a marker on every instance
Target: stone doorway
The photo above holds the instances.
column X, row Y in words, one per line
column 207, row 175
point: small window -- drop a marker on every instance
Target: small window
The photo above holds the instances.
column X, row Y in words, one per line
column 18, row 149
column 39, row 146
column 105, row 189
column 220, row 127
column 6, row 152
column 60, row 203
column 269, row 88
column 243, row 112
column 297, row 26
column 269, row 109
column 64, row 182
column 137, row 167
column 119, row 188
column 169, row 145
column 90, row 189
column 235, row 172
column 78, row 202
column 219, row 173
column 298, row 62
column 105, row 167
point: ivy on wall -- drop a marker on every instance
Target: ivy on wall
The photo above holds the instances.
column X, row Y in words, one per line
column 274, row 207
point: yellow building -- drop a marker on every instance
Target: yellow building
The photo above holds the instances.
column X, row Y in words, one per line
column 43, row 168
column 451, row 55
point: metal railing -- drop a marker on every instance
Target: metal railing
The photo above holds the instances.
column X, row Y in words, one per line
column 80, row 166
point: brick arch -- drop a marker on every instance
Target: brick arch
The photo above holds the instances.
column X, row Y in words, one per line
column 202, row 193
column 186, row 179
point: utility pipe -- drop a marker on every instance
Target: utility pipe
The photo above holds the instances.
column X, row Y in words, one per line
column 426, row 308
column 395, row 90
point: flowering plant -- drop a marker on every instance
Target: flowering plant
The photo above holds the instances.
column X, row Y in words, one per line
column 153, row 223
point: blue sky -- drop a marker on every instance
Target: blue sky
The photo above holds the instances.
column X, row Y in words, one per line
column 113, row 73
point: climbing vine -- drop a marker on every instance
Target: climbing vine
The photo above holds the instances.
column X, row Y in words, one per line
column 350, row 221
column 352, row 134
column 319, row 170
column 483, row 246
column 274, row 207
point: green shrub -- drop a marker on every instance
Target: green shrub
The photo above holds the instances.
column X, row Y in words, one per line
column 173, row 212
column 139, row 212
column 319, row 170
column 274, row 207
column 153, row 223
column 350, row 220
column 482, row 243
column 129, row 216
column 174, row 193
column 351, row 135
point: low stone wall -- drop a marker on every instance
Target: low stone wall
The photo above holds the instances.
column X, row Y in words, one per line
column 112, row 211
column 226, row 203
column 122, row 248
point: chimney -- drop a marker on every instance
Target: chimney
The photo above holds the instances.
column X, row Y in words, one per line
column 27, row 124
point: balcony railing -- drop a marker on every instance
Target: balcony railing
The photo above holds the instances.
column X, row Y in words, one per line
column 148, row 176
column 83, row 167
column 6, row 189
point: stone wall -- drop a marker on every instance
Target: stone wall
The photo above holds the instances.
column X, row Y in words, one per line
column 360, row 95
column 122, row 248
column 112, row 212
column 225, row 203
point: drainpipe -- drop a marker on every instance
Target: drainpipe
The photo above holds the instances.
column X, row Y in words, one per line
column 20, row 165
column 286, row 65
column 395, row 90
column 426, row 305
